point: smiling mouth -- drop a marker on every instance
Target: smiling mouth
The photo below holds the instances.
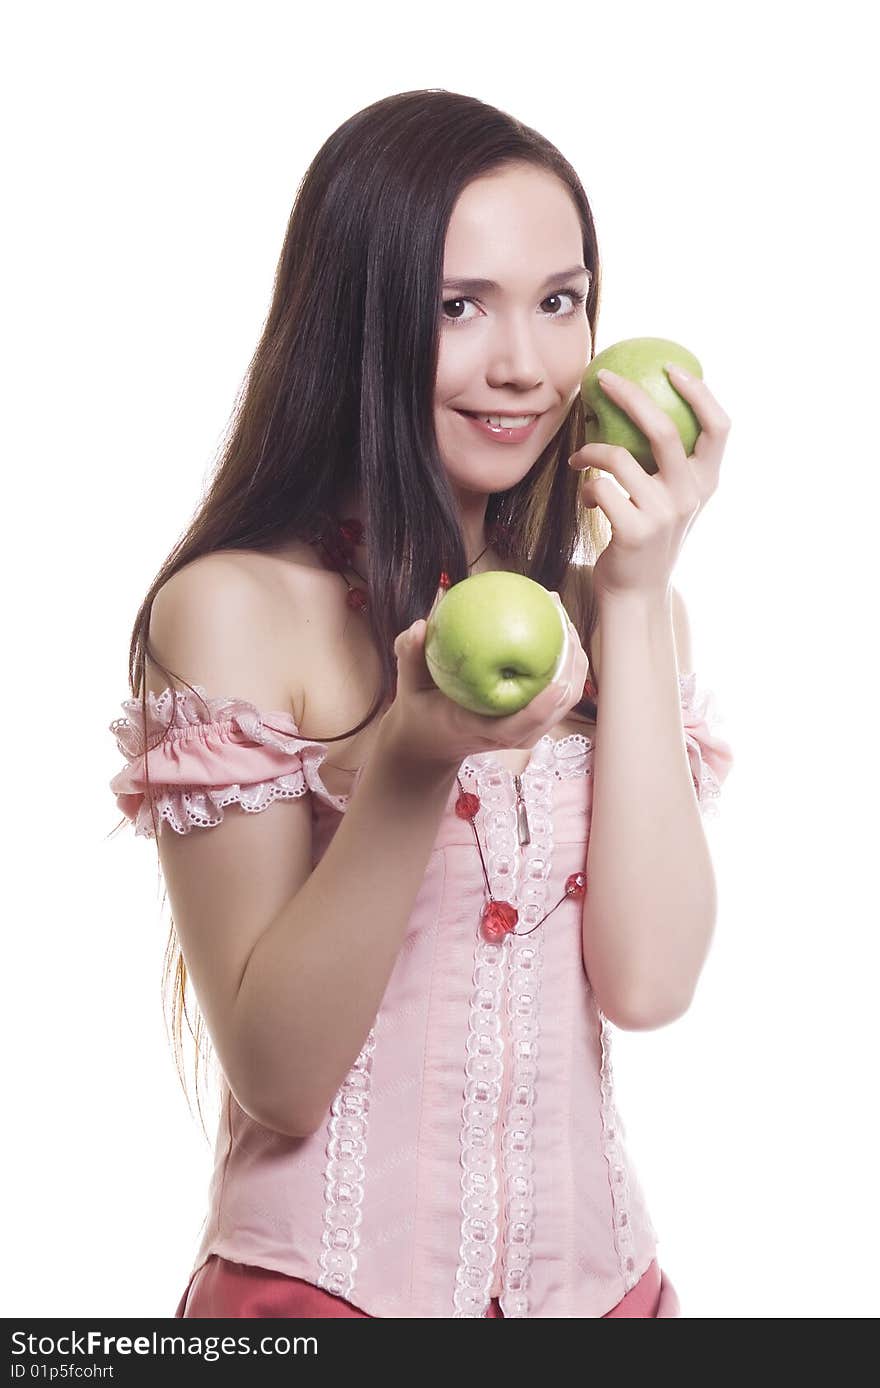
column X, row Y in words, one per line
column 476, row 414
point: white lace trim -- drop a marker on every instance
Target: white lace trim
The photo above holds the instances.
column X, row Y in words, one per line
column 700, row 705
column 618, row 1172
column 188, row 807
column 484, row 1063
column 524, row 972
column 497, row 1220
column 498, row 1216
column 344, row 1175
column 572, row 755
column 184, row 808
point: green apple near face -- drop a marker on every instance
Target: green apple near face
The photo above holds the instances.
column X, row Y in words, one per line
column 494, row 641
column 639, row 359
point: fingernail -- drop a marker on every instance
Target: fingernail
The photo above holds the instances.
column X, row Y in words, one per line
column 610, row 376
column 677, row 371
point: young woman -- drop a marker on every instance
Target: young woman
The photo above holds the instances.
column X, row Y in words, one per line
column 406, row 957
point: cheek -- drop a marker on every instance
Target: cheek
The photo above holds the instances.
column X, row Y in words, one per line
column 455, row 370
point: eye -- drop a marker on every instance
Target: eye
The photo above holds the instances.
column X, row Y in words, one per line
column 570, row 292
column 454, row 301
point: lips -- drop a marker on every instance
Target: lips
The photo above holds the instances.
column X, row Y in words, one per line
column 501, row 414
column 500, row 433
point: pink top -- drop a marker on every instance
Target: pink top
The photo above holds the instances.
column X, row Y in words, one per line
column 476, row 1135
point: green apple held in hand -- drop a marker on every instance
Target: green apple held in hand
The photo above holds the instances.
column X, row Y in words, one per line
column 494, row 641
column 639, row 359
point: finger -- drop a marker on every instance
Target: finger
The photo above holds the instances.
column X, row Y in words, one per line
column 516, row 728
column 409, row 650
column 613, row 458
column 562, row 612
column 620, row 509
column 715, row 425
column 552, row 698
column 572, row 647
column 694, row 390
column 654, row 422
column 578, row 666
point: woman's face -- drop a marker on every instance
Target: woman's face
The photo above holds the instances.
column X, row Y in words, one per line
column 519, row 349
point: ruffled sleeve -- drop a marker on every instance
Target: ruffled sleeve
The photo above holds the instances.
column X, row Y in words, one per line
column 710, row 755
column 214, row 753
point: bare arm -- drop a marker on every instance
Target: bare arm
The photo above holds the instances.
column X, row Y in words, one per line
column 289, row 964
column 650, row 906
column 315, row 978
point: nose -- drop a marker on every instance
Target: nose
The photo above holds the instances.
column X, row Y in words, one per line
column 514, row 356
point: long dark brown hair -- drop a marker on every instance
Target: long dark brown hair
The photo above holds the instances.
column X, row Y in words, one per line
column 339, row 392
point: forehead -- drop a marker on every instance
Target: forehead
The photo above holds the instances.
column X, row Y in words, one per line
column 511, row 226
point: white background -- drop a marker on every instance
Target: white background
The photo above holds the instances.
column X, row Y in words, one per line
column 152, row 156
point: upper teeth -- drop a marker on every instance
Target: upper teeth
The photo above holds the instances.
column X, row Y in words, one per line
column 508, row 421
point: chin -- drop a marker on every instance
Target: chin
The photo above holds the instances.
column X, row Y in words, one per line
column 485, row 481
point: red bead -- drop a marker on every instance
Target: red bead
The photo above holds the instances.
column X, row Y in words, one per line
column 352, row 531
column 589, row 690
column 498, row 919
column 576, row 884
column 466, row 805
column 445, row 581
column 356, row 599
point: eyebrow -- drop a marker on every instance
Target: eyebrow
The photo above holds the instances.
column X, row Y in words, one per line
column 478, row 284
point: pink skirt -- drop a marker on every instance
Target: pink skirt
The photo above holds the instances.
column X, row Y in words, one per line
column 221, row 1289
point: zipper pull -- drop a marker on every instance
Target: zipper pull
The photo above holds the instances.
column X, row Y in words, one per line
column 522, row 818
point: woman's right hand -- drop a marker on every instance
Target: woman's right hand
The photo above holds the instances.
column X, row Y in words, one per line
column 425, row 728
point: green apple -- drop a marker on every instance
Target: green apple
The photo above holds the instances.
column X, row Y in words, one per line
column 639, row 359
column 494, row 641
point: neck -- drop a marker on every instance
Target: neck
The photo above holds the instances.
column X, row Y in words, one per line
column 481, row 556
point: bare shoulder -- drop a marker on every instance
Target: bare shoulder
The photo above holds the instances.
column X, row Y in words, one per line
column 218, row 622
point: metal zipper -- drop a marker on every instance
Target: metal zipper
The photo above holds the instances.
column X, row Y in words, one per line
column 522, row 818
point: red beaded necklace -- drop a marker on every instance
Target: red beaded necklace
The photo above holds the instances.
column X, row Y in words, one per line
column 499, row 918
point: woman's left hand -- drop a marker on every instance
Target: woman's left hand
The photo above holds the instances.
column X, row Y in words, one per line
column 649, row 525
